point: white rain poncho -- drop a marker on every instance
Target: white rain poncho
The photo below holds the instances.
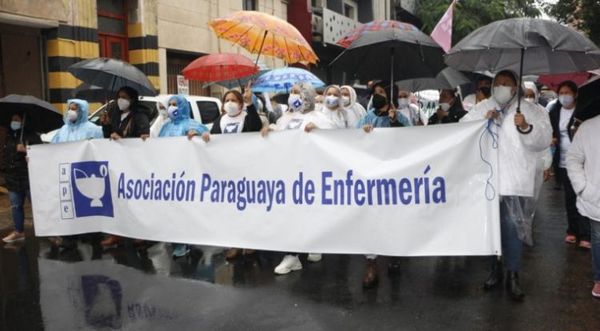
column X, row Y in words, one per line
column 518, row 154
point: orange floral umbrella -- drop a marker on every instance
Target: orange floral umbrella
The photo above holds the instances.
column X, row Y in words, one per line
column 265, row 34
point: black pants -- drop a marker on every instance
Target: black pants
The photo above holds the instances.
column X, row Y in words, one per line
column 579, row 226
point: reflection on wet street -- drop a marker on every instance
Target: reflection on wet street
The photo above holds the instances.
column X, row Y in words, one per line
column 87, row 287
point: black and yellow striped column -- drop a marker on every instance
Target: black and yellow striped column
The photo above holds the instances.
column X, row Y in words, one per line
column 143, row 52
column 68, row 44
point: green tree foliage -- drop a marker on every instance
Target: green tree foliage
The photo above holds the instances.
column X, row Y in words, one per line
column 582, row 14
column 472, row 14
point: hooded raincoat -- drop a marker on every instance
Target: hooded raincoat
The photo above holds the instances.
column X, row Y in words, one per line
column 81, row 129
column 180, row 123
column 518, row 152
column 291, row 120
column 354, row 110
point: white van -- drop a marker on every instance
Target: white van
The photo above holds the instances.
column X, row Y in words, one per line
column 204, row 110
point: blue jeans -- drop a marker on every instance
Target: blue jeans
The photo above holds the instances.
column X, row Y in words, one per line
column 595, row 226
column 512, row 246
column 17, row 200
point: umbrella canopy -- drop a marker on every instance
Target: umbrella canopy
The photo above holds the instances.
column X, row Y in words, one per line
column 588, row 100
column 376, row 25
column 112, row 74
column 552, row 81
column 261, row 33
column 543, row 46
column 219, row 67
column 392, row 54
column 446, row 79
column 241, row 82
column 40, row 116
column 282, row 80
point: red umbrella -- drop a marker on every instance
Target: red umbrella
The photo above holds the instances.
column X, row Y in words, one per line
column 552, row 81
column 376, row 25
column 219, row 67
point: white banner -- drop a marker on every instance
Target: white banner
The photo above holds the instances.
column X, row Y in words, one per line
column 405, row 192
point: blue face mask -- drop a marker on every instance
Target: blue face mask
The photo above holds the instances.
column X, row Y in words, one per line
column 15, row 125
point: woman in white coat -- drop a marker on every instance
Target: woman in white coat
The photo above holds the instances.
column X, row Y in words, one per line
column 583, row 167
column 521, row 137
column 301, row 115
column 354, row 111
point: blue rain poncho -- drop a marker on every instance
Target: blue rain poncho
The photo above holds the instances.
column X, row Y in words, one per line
column 181, row 123
column 381, row 121
column 82, row 129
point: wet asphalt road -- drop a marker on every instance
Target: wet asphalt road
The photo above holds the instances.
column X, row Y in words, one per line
column 125, row 288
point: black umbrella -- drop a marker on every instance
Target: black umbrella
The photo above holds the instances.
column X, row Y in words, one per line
column 527, row 46
column 446, row 79
column 112, row 74
column 588, row 100
column 392, row 53
column 38, row 115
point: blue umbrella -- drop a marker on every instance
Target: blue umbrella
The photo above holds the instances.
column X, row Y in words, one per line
column 282, row 80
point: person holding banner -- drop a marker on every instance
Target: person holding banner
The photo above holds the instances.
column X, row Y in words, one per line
column 583, row 166
column 301, row 115
column 77, row 127
column 521, row 132
column 181, row 124
column 383, row 112
column 126, row 118
column 16, row 175
column 239, row 114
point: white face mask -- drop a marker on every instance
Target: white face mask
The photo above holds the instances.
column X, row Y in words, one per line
column 123, row 104
column 532, row 100
column 345, row 101
column 445, row 106
column 502, row 94
column 331, row 101
column 72, row 115
column 295, row 102
column 403, row 102
column 232, row 108
column 173, row 111
column 566, row 100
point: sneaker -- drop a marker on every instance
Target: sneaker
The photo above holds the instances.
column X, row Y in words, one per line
column 596, row 290
column 586, row 245
column 180, row 250
column 570, row 239
column 14, row 237
column 288, row 264
column 314, row 257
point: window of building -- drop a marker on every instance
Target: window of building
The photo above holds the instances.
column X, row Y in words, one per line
column 250, row 4
column 112, row 29
column 350, row 9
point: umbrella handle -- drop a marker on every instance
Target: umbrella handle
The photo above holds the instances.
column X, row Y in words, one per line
column 519, row 87
column 23, row 127
column 261, row 47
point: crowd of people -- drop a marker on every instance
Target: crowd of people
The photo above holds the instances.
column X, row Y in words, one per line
column 533, row 143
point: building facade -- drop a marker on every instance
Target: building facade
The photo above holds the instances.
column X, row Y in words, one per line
column 40, row 39
column 330, row 20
